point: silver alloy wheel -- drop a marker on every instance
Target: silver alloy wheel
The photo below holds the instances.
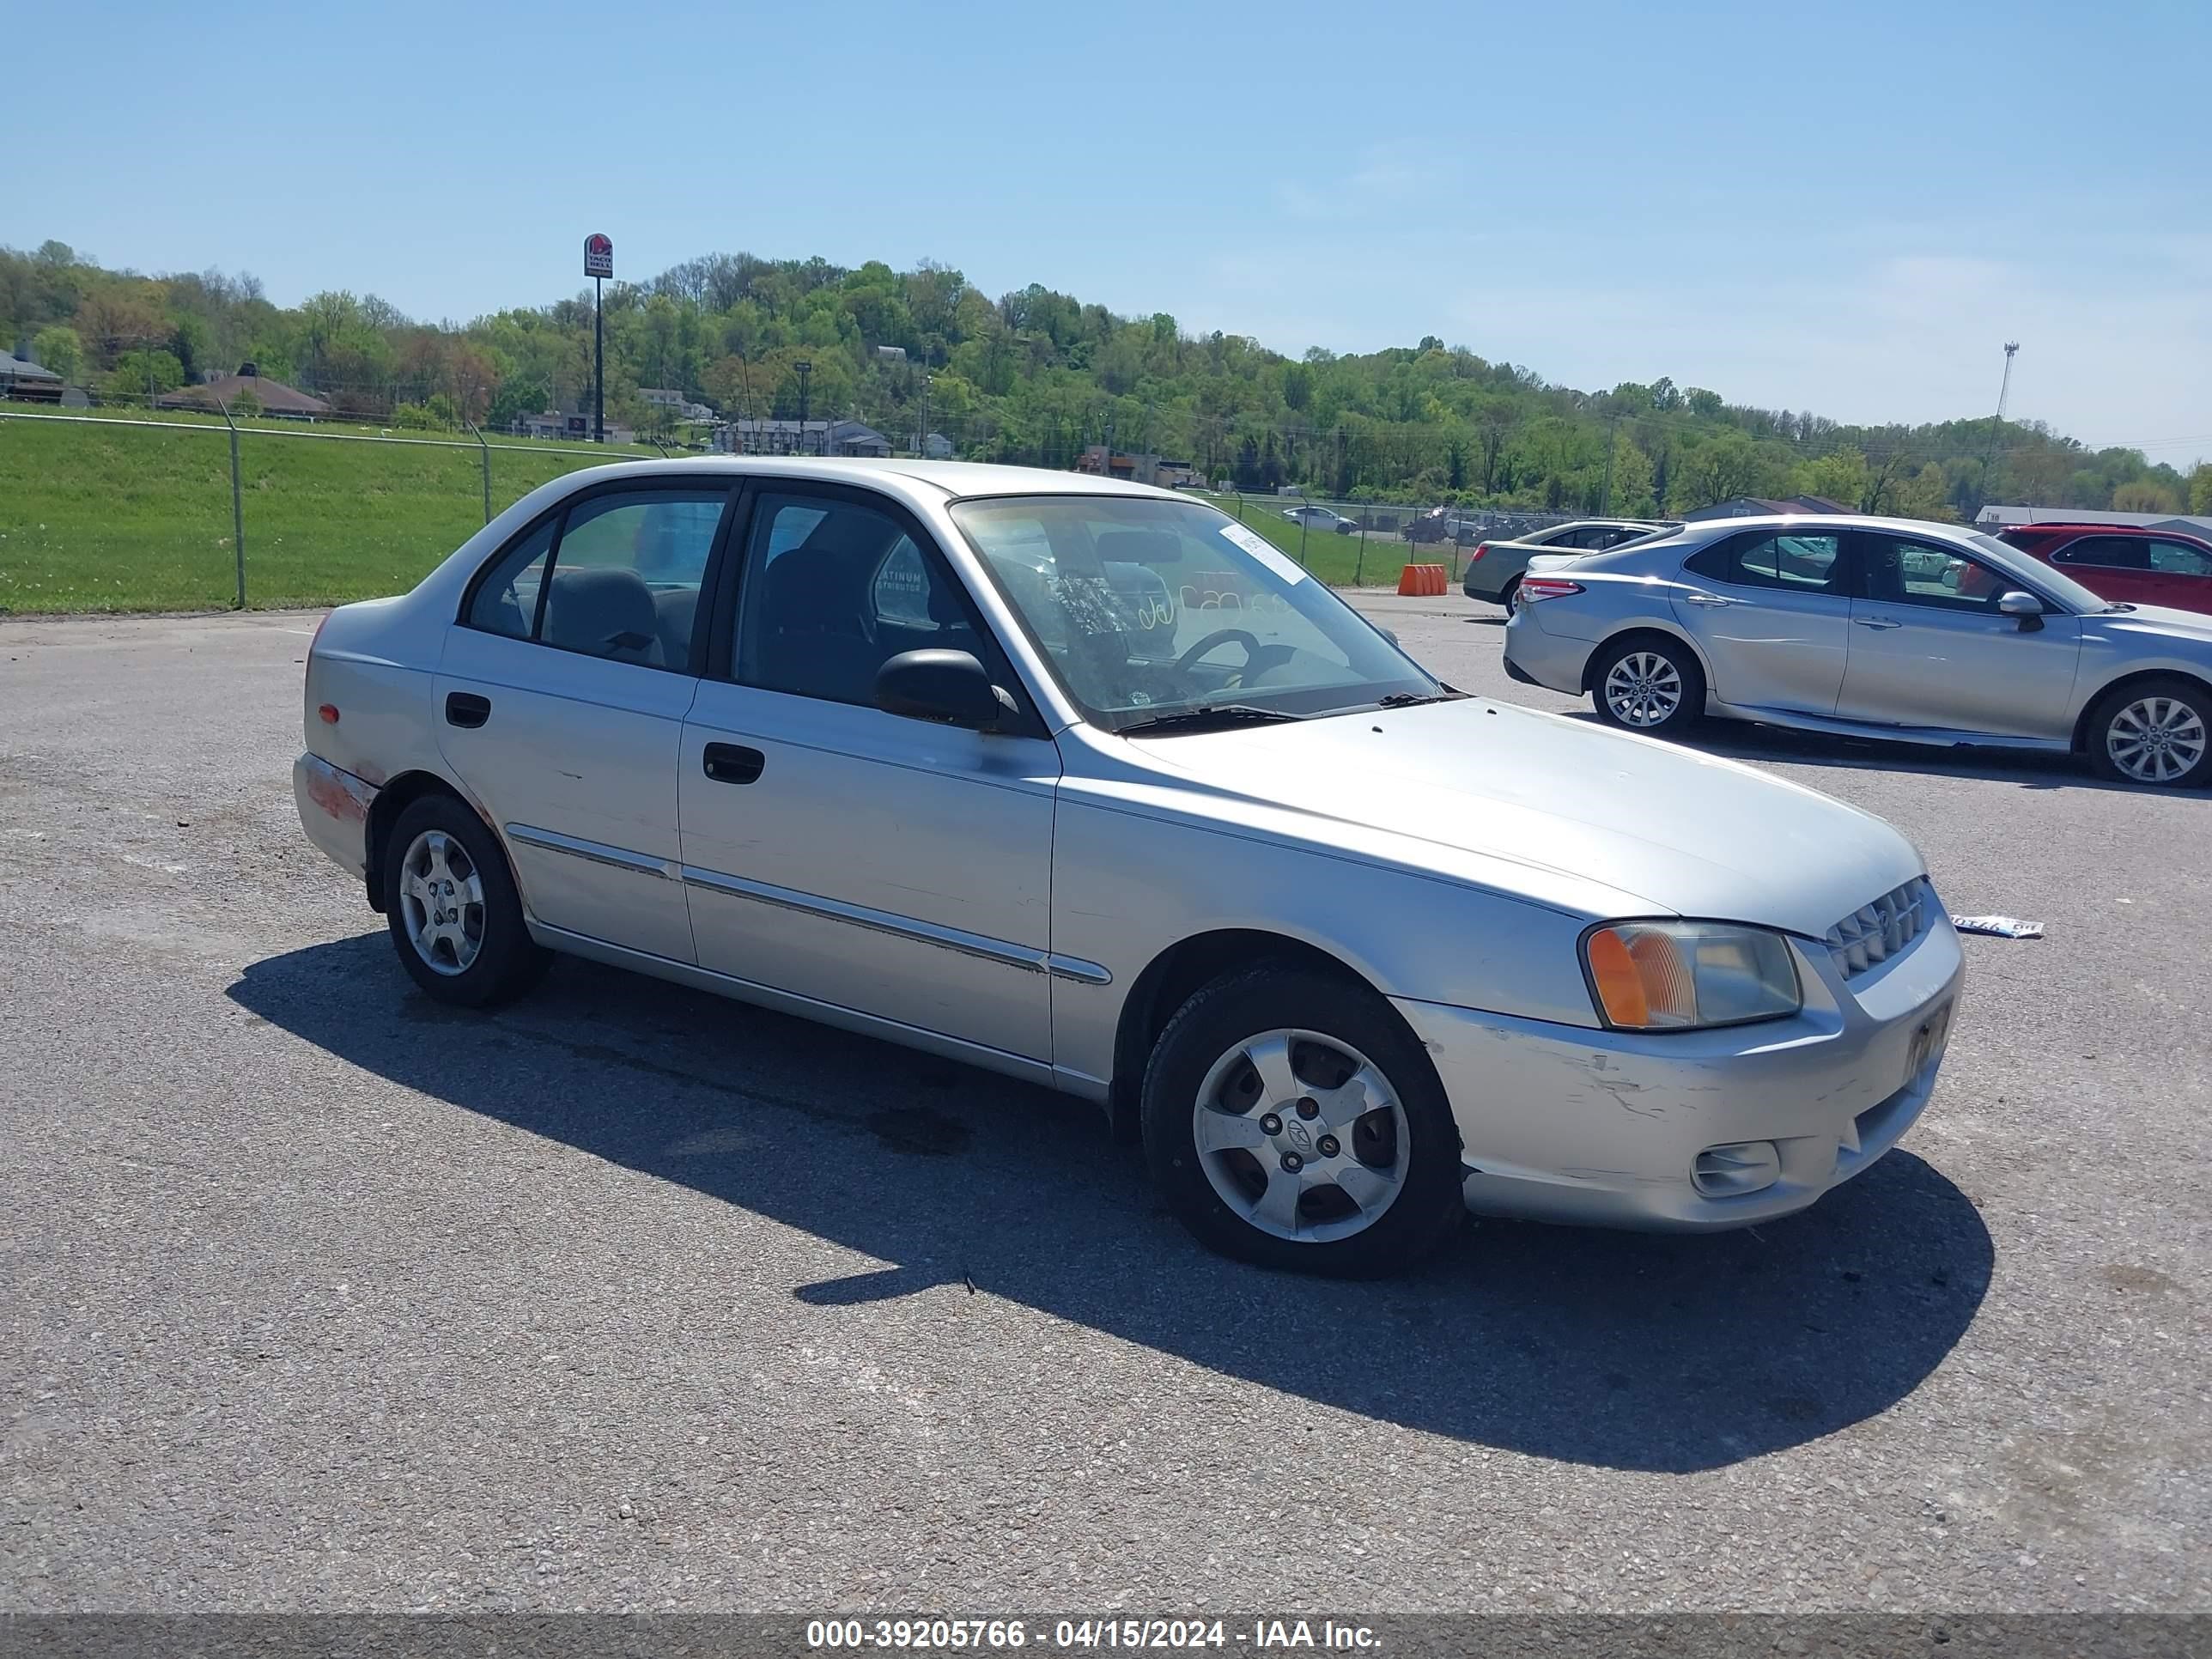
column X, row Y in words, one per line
column 1301, row 1135
column 2156, row 739
column 441, row 900
column 1643, row 689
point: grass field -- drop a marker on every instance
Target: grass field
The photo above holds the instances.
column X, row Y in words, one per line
column 101, row 517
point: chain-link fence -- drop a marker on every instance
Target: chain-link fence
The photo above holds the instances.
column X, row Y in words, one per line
column 175, row 511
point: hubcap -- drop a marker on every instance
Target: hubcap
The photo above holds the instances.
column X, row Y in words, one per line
column 1643, row 689
column 441, row 903
column 2156, row 739
column 1301, row 1136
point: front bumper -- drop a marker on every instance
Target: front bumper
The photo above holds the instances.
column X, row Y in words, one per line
column 334, row 811
column 1559, row 1123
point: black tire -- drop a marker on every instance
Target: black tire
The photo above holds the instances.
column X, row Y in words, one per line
column 1241, row 1006
column 505, row 961
column 1682, row 676
column 1512, row 597
column 2193, row 724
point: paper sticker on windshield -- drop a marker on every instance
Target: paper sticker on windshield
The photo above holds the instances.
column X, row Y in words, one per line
column 1264, row 551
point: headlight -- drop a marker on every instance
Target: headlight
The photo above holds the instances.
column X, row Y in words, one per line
column 1674, row 976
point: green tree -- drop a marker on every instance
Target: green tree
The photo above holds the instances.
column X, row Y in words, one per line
column 1632, row 480
column 145, row 375
column 2143, row 496
column 58, row 348
column 2200, row 488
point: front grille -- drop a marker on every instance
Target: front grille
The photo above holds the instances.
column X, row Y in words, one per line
column 1876, row 932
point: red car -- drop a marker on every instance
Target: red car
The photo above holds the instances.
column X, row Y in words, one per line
column 2123, row 562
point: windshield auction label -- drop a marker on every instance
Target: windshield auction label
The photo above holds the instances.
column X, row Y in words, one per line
column 1265, row 551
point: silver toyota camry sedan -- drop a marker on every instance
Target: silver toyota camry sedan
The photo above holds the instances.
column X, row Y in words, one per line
column 1880, row 627
column 1086, row 783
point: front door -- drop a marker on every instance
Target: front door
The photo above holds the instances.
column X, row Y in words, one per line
column 1930, row 649
column 1770, row 609
column 560, row 703
column 893, row 866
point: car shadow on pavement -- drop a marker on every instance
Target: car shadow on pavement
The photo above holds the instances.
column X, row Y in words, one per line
column 1625, row 1351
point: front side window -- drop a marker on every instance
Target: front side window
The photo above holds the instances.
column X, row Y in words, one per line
column 2179, row 559
column 834, row 590
column 1151, row 607
column 1901, row 571
column 615, row 575
column 1793, row 562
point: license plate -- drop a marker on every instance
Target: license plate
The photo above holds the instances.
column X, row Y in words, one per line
column 1927, row 1044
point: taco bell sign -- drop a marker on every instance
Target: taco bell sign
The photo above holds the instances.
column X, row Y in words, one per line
column 598, row 255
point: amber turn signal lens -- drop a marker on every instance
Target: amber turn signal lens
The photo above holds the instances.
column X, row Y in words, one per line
column 1619, row 987
column 1676, row 976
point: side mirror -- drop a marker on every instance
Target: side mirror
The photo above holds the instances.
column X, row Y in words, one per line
column 2024, row 606
column 949, row 687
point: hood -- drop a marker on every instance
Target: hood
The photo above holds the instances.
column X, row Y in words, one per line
column 1687, row 834
column 2190, row 631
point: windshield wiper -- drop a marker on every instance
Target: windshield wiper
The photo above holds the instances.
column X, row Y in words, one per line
column 1220, row 713
column 1410, row 699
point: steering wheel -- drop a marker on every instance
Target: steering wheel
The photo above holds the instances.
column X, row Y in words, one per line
column 1190, row 659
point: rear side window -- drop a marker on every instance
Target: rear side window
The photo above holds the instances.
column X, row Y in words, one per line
column 506, row 599
column 2106, row 553
column 615, row 575
column 1797, row 563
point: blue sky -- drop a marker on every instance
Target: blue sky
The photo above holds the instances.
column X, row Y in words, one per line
column 1794, row 205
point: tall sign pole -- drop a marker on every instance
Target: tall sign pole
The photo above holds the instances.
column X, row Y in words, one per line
column 599, row 265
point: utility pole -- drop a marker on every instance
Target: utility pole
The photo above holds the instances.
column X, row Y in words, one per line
column 803, row 369
column 1996, row 425
column 922, row 442
column 1606, row 511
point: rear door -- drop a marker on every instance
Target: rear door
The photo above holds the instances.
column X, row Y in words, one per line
column 1930, row 647
column 1770, row 609
column 561, row 698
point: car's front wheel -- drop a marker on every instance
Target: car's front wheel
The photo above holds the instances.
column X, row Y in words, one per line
column 1650, row 684
column 1292, row 1119
column 451, row 902
column 2155, row 731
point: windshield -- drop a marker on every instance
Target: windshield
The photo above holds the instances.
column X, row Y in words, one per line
column 2033, row 572
column 1149, row 607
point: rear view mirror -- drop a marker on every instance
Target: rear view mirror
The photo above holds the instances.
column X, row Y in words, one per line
column 949, row 687
column 2024, row 606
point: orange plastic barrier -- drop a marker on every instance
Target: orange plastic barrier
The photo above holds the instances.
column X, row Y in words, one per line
column 1421, row 579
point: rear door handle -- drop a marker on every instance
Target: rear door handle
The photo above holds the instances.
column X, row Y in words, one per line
column 731, row 762
column 1713, row 599
column 1876, row 621
column 466, row 708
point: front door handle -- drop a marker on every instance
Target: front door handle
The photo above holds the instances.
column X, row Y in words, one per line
column 1714, row 600
column 466, row 708
column 731, row 762
column 1876, row 621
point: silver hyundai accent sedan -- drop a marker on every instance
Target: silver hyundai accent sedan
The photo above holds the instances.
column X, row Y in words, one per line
column 1873, row 628
column 1086, row 783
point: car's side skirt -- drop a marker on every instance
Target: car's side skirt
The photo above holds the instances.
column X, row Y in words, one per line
column 827, row 1013
column 1935, row 736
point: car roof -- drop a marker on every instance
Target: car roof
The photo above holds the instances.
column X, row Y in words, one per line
column 950, row 480
column 2061, row 527
column 1818, row 521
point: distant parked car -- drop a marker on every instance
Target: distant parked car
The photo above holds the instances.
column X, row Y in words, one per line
column 1320, row 517
column 2116, row 561
column 1870, row 628
column 1429, row 526
column 1494, row 568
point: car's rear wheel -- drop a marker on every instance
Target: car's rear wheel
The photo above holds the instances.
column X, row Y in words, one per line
column 1650, row 684
column 2156, row 731
column 1292, row 1119
column 1510, row 598
column 450, row 903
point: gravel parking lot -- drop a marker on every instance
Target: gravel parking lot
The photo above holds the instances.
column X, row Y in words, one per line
column 319, row 1296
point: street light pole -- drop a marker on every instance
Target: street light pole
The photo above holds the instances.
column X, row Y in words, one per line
column 804, row 370
column 1996, row 424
